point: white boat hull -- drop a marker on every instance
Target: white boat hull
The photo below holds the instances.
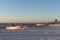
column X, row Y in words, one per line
column 13, row 27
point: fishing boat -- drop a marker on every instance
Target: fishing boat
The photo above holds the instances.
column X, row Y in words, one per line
column 14, row 27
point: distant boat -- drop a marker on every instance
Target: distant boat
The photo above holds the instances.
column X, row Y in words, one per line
column 14, row 27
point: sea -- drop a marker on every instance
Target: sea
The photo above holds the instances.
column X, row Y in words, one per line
column 50, row 33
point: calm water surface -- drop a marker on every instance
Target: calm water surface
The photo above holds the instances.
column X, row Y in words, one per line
column 50, row 33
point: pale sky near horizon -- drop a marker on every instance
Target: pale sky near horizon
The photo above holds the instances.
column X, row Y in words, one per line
column 29, row 10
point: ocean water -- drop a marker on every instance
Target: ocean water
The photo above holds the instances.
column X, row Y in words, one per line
column 50, row 33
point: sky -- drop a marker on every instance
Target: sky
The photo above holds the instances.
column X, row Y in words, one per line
column 24, row 11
